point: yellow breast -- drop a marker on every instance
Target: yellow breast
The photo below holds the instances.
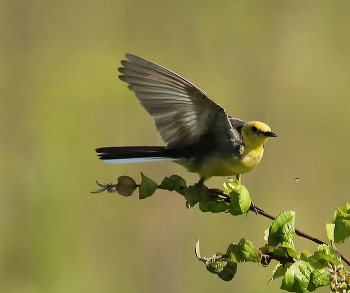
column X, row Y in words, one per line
column 252, row 158
column 217, row 166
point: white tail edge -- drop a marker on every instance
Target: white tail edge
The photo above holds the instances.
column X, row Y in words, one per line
column 137, row 160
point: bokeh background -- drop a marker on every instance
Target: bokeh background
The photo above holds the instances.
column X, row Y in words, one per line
column 286, row 63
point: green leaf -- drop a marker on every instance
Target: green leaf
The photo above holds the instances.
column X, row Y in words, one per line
column 243, row 251
column 174, row 182
column 279, row 271
column 330, row 231
column 266, row 234
column 282, row 230
column 228, row 272
column 278, row 252
column 126, row 185
column 324, row 255
column 222, row 267
column 341, row 219
column 304, row 255
column 240, row 199
column 147, row 187
column 195, row 193
column 213, row 206
column 318, row 278
column 231, row 185
column 297, row 277
column 216, row 264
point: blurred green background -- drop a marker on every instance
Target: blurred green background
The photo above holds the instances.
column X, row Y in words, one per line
column 286, row 63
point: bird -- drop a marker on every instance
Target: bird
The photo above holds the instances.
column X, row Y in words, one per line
column 198, row 133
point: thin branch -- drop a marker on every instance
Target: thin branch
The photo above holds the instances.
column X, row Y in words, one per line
column 342, row 256
column 128, row 185
column 300, row 233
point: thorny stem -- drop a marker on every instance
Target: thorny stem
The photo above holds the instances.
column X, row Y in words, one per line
column 299, row 232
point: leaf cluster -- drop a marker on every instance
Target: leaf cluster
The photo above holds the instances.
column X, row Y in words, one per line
column 235, row 199
column 300, row 272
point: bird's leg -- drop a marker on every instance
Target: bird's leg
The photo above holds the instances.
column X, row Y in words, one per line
column 238, row 177
column 201, row 181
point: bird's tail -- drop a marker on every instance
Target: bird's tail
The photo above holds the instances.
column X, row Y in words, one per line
column 137, row 154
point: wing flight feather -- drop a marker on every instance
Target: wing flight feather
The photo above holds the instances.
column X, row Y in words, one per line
column 182, row 112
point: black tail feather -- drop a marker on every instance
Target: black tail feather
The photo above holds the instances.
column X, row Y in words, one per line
column 128, row 152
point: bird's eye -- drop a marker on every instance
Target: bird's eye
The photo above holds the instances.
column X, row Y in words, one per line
column 255, row 129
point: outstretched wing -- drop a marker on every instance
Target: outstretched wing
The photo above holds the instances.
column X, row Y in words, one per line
column 182, row 112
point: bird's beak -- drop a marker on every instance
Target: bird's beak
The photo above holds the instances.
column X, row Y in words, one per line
column 269, row 134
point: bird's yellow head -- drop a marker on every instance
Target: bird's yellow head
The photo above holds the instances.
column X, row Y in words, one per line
column 255, row 134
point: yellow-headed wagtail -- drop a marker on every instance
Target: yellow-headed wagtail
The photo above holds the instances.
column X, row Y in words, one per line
column 199, row 134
